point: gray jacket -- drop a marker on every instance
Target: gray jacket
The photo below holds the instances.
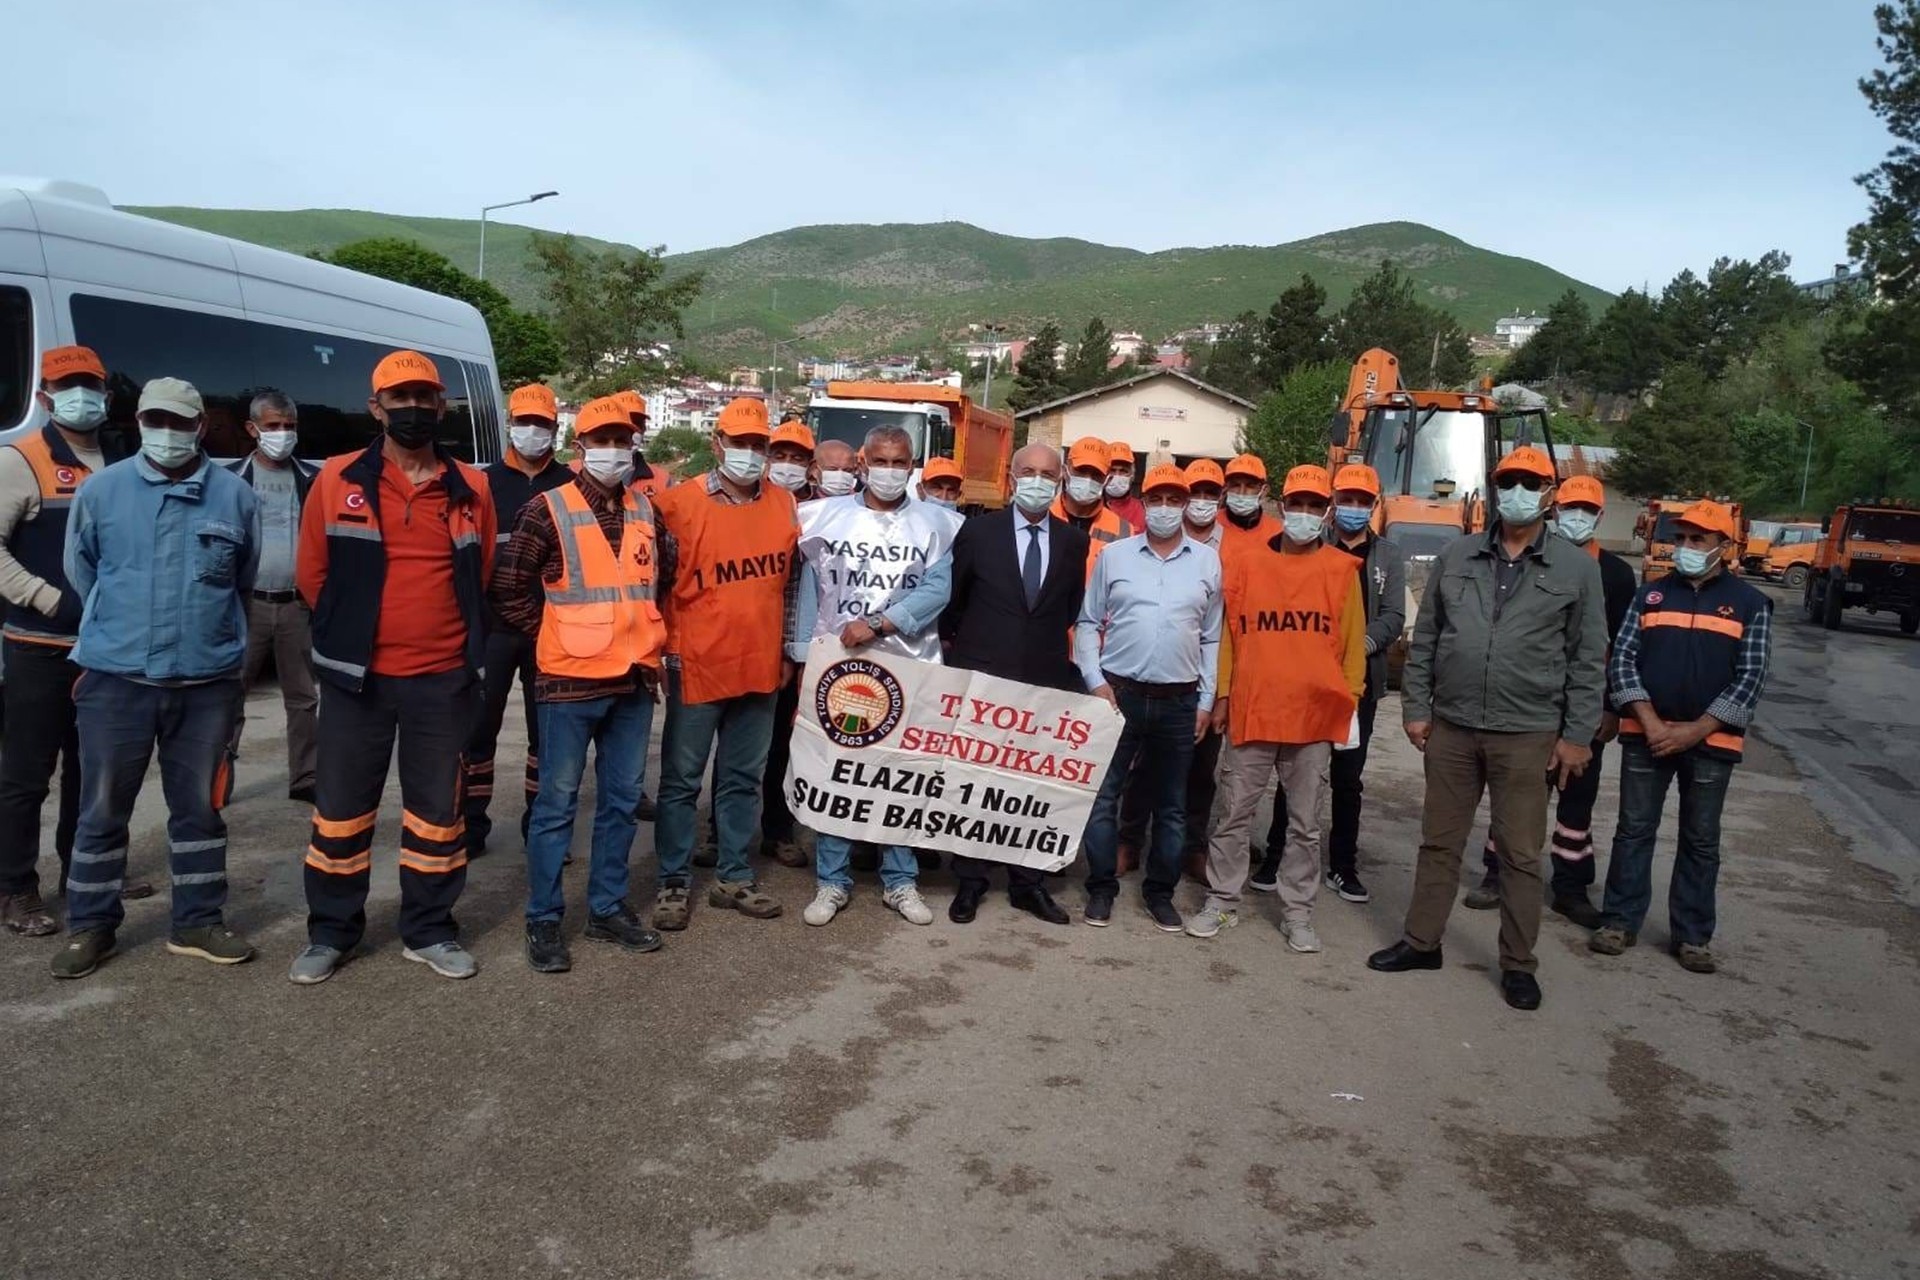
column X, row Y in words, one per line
column 1384, row 585
column 1539, row 664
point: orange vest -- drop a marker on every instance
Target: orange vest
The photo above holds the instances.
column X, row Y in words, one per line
column 39, row 544
column 1283, row 615
column 1107, row 527
column 1234, row 539
column 726, row 614
column 600, row 621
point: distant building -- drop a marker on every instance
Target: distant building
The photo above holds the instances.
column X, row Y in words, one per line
column 1165, row 414
column 743, row 376
column 1514, row 332
column 1204, row 335
column 1843, row 280
column 829, row 369
column 1128, row 345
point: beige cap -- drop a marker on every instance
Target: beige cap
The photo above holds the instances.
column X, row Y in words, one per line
column 171, row 395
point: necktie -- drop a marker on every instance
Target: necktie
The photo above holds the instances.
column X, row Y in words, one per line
column 1030, row 566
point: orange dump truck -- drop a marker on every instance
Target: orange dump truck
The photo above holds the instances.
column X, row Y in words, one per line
column 1870, row 559
column 1784, row 555
column 943, row 422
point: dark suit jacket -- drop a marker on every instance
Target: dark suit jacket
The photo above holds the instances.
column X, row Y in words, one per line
column 987, row 620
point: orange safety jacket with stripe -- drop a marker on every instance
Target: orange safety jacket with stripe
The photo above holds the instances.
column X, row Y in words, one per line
column 1689, row 643
column 1107, row 526
column 1295, row 645
column 600, row 620
column 726, row 606
column 40, row 544
column 1235, row 539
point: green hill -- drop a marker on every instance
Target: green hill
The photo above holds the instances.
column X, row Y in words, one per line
column 867, row 290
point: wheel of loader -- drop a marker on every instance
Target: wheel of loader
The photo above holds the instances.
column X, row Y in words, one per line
column 1796, row 577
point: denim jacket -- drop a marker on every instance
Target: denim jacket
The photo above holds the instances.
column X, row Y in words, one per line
column 164, row 567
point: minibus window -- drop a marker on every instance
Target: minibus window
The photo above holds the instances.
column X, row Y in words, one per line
column 18, row 377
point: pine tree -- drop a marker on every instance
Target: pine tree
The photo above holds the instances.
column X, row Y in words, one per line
column 1087, row 362
column 1036, row 378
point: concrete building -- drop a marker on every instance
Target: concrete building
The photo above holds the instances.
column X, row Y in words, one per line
column 1515, row 331
column 1166, row 415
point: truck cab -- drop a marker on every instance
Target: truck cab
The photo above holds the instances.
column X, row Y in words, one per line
column 1870, row 559
column 942, row 422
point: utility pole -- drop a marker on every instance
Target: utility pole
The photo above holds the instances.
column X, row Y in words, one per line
column 991, row 330
column 1806, row 469
column 487, row 209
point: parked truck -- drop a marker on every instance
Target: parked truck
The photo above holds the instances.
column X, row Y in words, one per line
column 1781, row 553
column 943, row 422
column 1870, row 559
column 1656, row 523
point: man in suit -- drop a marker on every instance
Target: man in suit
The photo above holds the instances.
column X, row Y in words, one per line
column 1018, row 579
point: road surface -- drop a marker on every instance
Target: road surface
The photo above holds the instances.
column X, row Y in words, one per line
column 1011, row 1099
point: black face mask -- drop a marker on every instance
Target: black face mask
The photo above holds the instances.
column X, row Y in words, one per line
column 412, row 427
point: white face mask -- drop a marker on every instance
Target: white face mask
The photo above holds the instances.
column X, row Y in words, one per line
column 791, row 476
column 1243, row 504
column 169, row 447
column 1119, row 486
column 531, row 442
column 79, row 408
column 837, row 484
column 278, row 445
column 1164, row 522
column 1577, row 526
column 742, row 466
column 610, row 465
column 1304, row 526
column 887, row 483
column 1034, row 494
column 1202, row 511
column 1083, row 489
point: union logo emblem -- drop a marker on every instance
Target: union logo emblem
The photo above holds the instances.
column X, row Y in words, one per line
column 858, row 702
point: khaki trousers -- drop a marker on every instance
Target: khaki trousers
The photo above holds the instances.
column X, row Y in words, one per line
column 1512, row 769
column 283, row 629
column 1244, row 771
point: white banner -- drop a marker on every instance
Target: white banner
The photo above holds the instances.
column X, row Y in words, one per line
column 895, row 751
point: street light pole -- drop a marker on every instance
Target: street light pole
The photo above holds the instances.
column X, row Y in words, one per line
column 986, row 394
column 1806, row 468
column 487, row 209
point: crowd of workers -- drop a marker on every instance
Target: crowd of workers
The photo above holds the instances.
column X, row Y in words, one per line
column 1238, row 646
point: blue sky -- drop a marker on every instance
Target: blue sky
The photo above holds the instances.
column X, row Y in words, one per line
column 1616, row 142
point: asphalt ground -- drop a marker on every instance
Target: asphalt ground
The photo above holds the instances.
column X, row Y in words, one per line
column 1012, row 1099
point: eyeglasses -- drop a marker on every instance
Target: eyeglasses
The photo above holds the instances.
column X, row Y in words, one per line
column 1532, row 484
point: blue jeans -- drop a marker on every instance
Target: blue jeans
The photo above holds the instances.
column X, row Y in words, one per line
column 737, row 732
column 1159, row 734
column 1696, row 863
column 618, row 729
column 121, row 723
column 832, row 855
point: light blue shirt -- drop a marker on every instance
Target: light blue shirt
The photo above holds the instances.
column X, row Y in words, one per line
column 163, row 568
column 1152, row 620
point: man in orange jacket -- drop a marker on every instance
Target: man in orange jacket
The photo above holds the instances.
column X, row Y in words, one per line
column 577, row 575
column 1293, row 663
column 1082, row 502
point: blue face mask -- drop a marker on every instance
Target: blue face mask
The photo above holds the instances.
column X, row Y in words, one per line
column 1352, row 519
column 1692, row 562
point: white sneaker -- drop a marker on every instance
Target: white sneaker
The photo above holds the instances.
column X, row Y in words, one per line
column 826, row 905
column 907, row 901
column 1211, row 920
column 1300, row 935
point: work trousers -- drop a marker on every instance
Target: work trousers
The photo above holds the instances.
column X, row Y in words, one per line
column 1244, row 771
column 617, row 728
column 40, row 737
column 432, row 717
column 1157, row 733
column 737, row 733
column 1572, row 847
column 1644, row 779
column 1346, row 780
column 509, row 654
column 122, row 723
column 283, row 630
column 1511, row 769
column 1201, row 788
column 776, row 817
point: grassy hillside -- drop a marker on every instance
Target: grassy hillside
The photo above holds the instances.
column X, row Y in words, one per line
column 859, row 290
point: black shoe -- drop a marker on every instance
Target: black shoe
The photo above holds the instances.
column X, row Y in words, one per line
column 1521, row 989
column 1577, row 908
column 546, row 949
column 1402, row 957
column 1099, row 912
column 1036, row 901
column 1348, row 886
column 623, row 928
column 965, row 905
column 1165, row 918
column 646, row 810
column 302, row 794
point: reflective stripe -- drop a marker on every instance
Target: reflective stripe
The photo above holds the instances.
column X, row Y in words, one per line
column 197, row 846
column 347, row 668
column 343, row 827
column 433, row 865
column 111, row 855
column 103, row 886
column 364, row 532
column 202, row 877
column 467, row 540
column 31, row 635
column 55, row 504
column 319, row 861
column 1695, row 622
column 1727, row 742
column 427, row 830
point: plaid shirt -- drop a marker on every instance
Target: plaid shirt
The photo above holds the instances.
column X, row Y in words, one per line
column 1734, row 705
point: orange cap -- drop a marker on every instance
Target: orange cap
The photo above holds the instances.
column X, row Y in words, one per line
column 1582, row 489
column 1358, row 475
column 1089, row 451
column 1248, row 464
column 1308, row 479
column 598, row 415
column 744, row 417
column 1527, row 459
column 1711, row 516
column 1205, row 471
column 941, row 469
column 1119, row 451
column 535, row 400
column 402, row 367
column 793, row 431
column 632, row 401
column 1164, row 476
column 67, row 362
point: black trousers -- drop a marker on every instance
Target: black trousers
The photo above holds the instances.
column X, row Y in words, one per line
column 40, row 737
column 776, row 818
column 432, row 717
column 1345, row 778
column 973, row 873
column 509, row 654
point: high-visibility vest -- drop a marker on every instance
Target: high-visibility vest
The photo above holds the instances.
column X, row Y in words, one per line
column 39, row 544
column 726, row 610
column 1283, row 615
column 601, row 620
column 1107, row 527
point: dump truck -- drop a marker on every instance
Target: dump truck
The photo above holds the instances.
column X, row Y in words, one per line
column 943, row 422
column 1781, row 552
column 1869, row 559
column 1656, row 527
